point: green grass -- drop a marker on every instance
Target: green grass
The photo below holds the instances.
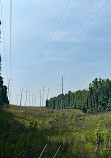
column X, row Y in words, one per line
column 25, row 131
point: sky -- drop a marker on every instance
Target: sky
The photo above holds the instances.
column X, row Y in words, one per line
column 51, row 39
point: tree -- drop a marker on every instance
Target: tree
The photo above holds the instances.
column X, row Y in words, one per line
column 3, row 90
column 96, row 99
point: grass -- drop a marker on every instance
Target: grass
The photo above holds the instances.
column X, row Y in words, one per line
column 24, row 131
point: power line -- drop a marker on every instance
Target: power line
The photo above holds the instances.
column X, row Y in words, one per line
column 87, row 26
column 82, row 32
column 52, row 34
column 51, row 68
column 52, row 37
column 4, row 49
column 4, row 44
column 10, row 38
column 10, row 48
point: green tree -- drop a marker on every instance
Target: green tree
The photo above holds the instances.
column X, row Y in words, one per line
column 3, row 90
column 96, row 99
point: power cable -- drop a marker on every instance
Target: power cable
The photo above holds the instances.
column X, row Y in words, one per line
column 4, row 44
column 84, row 29
column 52, row 34
column 10, row 81
column 87, row 26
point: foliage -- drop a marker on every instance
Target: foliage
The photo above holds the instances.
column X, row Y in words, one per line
column 98, row 139
column 24, row 131
column 3, row 90
column 96, row 99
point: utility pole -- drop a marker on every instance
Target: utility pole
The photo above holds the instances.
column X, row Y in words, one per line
column 26, row 98
column 29, row 98
column 32, row 99
column 48, row 94
column 21, row 97
column 35, row 101
column 17, row 99
column 43, row 98
column 62, row 94
column 40, row 97
column 10, row 91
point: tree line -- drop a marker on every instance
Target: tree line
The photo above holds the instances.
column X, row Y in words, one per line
column 96, row 99
column 3, row 90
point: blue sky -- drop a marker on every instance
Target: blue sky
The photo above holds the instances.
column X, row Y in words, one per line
column 77, row 52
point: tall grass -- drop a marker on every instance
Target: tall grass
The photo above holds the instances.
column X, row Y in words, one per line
column 24, row 131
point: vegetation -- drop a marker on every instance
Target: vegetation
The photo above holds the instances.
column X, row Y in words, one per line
column 96, row 99
column 3, row 90
column 24, row 131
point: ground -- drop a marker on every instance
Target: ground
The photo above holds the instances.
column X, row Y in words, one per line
column 24, row 132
